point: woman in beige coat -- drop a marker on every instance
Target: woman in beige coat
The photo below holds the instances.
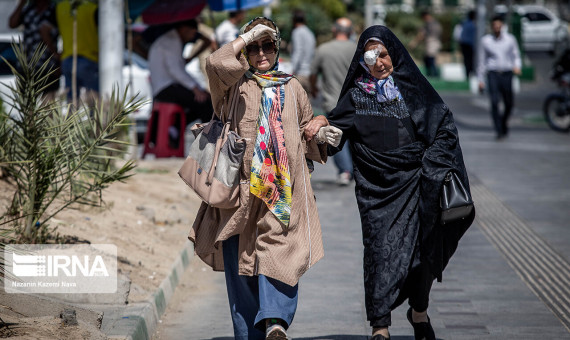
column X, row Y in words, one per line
column 274, row 236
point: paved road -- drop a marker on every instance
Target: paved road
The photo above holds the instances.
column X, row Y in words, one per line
column 509, row 279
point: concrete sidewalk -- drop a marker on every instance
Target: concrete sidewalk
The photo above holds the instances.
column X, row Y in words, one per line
column 138, row 321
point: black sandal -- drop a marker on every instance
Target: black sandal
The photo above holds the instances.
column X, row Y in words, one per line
column 422, row 330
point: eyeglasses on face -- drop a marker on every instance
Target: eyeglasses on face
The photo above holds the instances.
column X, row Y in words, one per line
column 266, row 47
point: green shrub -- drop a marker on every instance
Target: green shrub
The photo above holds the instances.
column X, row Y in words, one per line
column 56, row 160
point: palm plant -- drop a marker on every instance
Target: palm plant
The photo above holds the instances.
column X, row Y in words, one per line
column 55, row 159
column 6, row 234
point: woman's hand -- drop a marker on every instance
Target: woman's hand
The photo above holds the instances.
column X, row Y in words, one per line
column 329, row 134
column 254, row 34
column 314, row 126
column 200, row 95
column 257, row 32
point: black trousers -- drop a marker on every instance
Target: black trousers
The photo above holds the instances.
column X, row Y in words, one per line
column 467, row 52
column 500, row 84
column 431, row 67
column 184, row 97
column 416, row 289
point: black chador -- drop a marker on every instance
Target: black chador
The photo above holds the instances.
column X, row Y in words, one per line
column 402, row 148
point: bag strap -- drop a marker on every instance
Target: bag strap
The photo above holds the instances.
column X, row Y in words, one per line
column 225, row 130
column 216, row 154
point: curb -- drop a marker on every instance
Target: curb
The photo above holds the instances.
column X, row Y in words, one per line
column 138, row 321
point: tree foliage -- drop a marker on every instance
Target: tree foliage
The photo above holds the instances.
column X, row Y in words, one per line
column 333, row 8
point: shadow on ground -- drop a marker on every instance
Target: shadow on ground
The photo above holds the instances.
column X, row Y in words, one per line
column 328, row 185
column 353, row 337
column 337, row 337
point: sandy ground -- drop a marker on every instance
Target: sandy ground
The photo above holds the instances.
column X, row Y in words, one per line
column 47, row 327
column 147, row 218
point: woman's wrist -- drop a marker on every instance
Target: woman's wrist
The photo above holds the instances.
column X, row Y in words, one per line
column 323, row 120
column 238, row 44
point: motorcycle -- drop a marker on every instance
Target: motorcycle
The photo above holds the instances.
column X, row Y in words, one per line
column 556, row 106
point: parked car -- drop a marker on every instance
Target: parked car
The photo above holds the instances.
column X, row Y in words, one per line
column 542, row 30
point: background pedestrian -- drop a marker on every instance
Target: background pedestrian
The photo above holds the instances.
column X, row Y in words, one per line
column 303, row 45
column 430, row 36
column 204, row 47
column 331, row 62
column 87, row 43
column 228, row 30
column 499, row 58
column 169, row 80
column 40, row 28
column 467, row 40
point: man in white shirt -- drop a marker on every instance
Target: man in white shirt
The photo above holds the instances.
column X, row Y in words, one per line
column 303, row 45
column 228, row 30
column 499, row 58
column 169, row 80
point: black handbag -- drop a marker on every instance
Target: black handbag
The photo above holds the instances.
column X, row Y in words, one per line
column 456, row 201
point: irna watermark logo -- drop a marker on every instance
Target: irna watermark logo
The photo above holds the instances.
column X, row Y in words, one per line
column 85, row 268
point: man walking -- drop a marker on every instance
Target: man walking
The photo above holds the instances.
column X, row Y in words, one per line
column 430, row 35
column 332, row 61
column 40, row 27
column 303, row 44
column 499, row 58
column 467, row 41
column 87, row 39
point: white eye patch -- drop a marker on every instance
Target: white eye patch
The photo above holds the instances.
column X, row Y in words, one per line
column 371, row 56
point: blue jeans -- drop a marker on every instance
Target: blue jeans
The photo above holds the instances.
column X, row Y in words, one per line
column 87, row 74
column 343, row 159
column 255, row 298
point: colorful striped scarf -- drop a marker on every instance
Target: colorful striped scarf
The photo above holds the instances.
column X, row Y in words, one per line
column 270, row 179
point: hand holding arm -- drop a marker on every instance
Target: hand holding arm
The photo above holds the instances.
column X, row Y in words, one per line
column 329, row 134
column 314, row 125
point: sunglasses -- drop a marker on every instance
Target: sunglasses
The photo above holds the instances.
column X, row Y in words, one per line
column 266, row 47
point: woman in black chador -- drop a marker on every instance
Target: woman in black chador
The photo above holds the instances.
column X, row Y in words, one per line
column 403, row 141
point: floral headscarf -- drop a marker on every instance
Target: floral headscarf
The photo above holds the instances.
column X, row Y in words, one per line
column 270, row 177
